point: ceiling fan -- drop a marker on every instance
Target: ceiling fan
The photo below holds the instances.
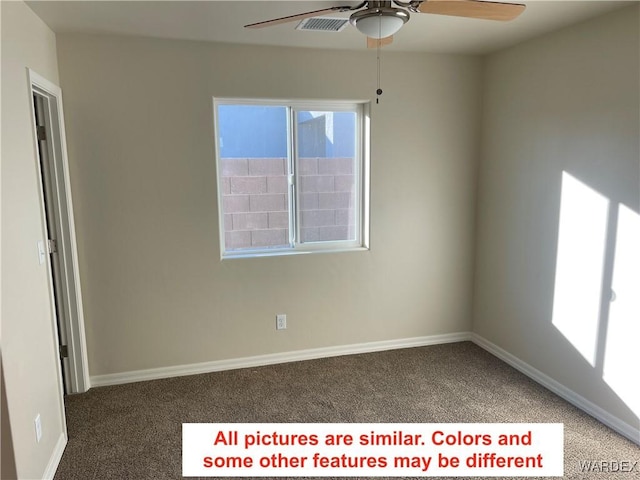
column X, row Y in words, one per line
column 379, row 20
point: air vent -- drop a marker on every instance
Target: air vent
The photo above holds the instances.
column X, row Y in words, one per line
column 323, row 24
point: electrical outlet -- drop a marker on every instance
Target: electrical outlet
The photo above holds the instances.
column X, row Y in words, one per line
column 38, row 428
column 281, row 321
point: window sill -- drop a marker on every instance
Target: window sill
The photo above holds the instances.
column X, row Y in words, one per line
column 287, row 252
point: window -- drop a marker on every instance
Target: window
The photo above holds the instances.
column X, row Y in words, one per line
column 292, row 176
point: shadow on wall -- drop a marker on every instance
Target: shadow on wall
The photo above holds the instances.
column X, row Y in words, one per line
column 596, row 302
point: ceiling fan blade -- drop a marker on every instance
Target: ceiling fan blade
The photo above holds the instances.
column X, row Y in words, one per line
column 293, row 18
column 374, row 42
column 473, row 9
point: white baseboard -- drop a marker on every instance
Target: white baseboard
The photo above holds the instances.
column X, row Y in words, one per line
column 623, row 428
column 56, row 456
column 582, row 403
column 275, row 358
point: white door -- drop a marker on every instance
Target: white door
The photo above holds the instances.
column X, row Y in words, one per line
column 58, row 211
column 44, row 134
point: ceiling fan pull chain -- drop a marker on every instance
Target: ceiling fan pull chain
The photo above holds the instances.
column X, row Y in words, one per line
column 379, row 90
column 379, row 40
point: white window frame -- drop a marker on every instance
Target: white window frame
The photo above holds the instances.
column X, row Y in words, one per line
column 361, row 174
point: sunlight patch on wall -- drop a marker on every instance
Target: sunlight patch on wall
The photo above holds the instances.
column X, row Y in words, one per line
column 579, row 265
column 622, row 355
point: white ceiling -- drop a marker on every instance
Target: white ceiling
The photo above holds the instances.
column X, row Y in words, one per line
column 223, row 21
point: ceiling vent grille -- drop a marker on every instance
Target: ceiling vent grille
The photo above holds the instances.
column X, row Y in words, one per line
column 323, row 24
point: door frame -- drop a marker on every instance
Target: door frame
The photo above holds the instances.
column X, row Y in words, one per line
column 70, row 295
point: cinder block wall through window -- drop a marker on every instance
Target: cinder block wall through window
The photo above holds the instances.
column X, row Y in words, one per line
column 255, row 201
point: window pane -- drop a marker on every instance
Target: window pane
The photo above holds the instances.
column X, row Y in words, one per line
column 326, row 146
column 253, row 174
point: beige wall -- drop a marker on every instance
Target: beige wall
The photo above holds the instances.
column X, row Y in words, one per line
column 7, row 455
column 28, row 346
column 140, row 139
column 568, row 101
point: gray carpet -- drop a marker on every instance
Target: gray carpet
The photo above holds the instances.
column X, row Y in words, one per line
column 134, row 431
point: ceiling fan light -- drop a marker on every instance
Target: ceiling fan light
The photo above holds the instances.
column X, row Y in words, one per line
column 379, row 22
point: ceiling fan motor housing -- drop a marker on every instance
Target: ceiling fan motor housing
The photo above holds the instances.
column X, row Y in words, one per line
column 379, row 21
